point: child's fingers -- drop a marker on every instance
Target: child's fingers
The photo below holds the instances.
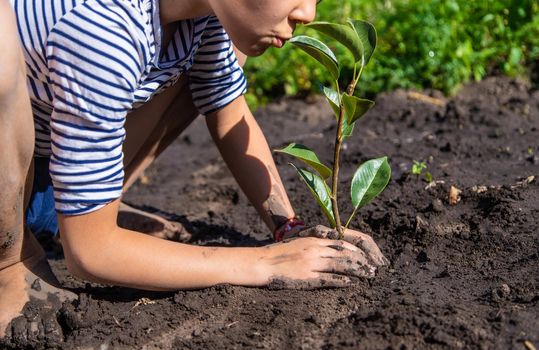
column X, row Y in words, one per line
column 339, row 245
column 319, row 231
column 353, row 263
column 367, row 244
column 352, row 267
column 355, row 238
column 345, row 258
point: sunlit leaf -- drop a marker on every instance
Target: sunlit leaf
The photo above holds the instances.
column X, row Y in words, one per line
column 343, row 34
column 319, row 51
column 367, row 36
column 320, row 191
column 307, row 156
column 369, row 181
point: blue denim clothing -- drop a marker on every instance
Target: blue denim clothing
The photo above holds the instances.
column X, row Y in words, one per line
column 40, row 214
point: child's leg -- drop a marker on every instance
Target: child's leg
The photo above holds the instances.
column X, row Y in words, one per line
column 21, row 257
column 150, row 129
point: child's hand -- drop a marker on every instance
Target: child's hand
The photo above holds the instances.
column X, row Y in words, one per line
column 358, row 239
column 301, row 263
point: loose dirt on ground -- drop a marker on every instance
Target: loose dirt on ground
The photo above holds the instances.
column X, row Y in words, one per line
column 462, row 275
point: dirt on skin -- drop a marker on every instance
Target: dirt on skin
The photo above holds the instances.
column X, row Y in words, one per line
column 461, row 276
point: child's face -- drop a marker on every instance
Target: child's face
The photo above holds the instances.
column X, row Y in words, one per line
column 255, row 25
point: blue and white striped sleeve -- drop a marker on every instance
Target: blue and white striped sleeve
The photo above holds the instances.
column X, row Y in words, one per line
column 95, row 57
column 216, row 78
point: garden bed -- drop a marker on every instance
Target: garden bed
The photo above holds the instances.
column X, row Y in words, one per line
column 461, row 276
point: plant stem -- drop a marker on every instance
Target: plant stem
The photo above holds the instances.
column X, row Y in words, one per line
column 353, row 84
column 337, row 153
column 349, row 91
column 334, row 179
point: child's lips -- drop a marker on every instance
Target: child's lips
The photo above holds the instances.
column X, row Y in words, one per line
column 279, row 42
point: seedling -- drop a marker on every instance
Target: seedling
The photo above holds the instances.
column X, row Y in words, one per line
column 370, row 179
column 419, row 167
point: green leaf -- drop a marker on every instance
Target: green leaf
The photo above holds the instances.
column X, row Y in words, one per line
column 355, row 107
column 367, row 35
column 319, row 51
column 333, row 98
column 347, row 129
column 320, row 191
column 362, row 106
column 343, row 34
column 369, row 181
column 307, row 156
column 349, row 105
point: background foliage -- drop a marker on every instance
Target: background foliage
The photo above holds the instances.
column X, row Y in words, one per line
column 422, row 44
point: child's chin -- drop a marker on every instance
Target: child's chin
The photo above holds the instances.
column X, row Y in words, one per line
column 258, row 53
column 255, row 50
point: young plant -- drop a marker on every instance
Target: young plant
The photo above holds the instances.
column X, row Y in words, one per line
column 417, row 169
column 370, row 179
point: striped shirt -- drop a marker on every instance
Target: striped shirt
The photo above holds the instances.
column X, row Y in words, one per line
column 89, row 62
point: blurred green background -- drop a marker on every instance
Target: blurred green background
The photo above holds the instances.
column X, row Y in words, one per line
column 421, row 44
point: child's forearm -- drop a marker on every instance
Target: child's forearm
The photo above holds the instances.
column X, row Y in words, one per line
column 109, row 254
column 140, row 261
column 246, row 152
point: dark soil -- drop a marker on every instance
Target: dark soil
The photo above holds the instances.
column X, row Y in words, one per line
column 461, row 276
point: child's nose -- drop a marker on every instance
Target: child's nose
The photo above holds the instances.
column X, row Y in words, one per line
column 305, row 13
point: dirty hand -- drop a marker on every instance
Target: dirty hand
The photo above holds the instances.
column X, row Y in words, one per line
column 358, row 239
column 304, row 263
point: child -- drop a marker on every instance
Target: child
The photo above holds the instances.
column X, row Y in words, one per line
column 91, row 92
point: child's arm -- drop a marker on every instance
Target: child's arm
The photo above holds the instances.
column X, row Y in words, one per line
column 246, row 152
column 97, row 249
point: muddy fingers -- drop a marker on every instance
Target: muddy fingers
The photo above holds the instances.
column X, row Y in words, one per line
column 341, row 245
column 306, row 263
column 367, row 244
column 355, row 238
column 319, row 231
column 346, row 261
column 352, row 267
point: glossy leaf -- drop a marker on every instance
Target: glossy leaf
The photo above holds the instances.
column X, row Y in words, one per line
column 333, row 98
column 344, row 34
column 367, row 35
column 369, row 181
column 320, row 191
column 307, row 156
column 319, row 51
column 355, row 107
